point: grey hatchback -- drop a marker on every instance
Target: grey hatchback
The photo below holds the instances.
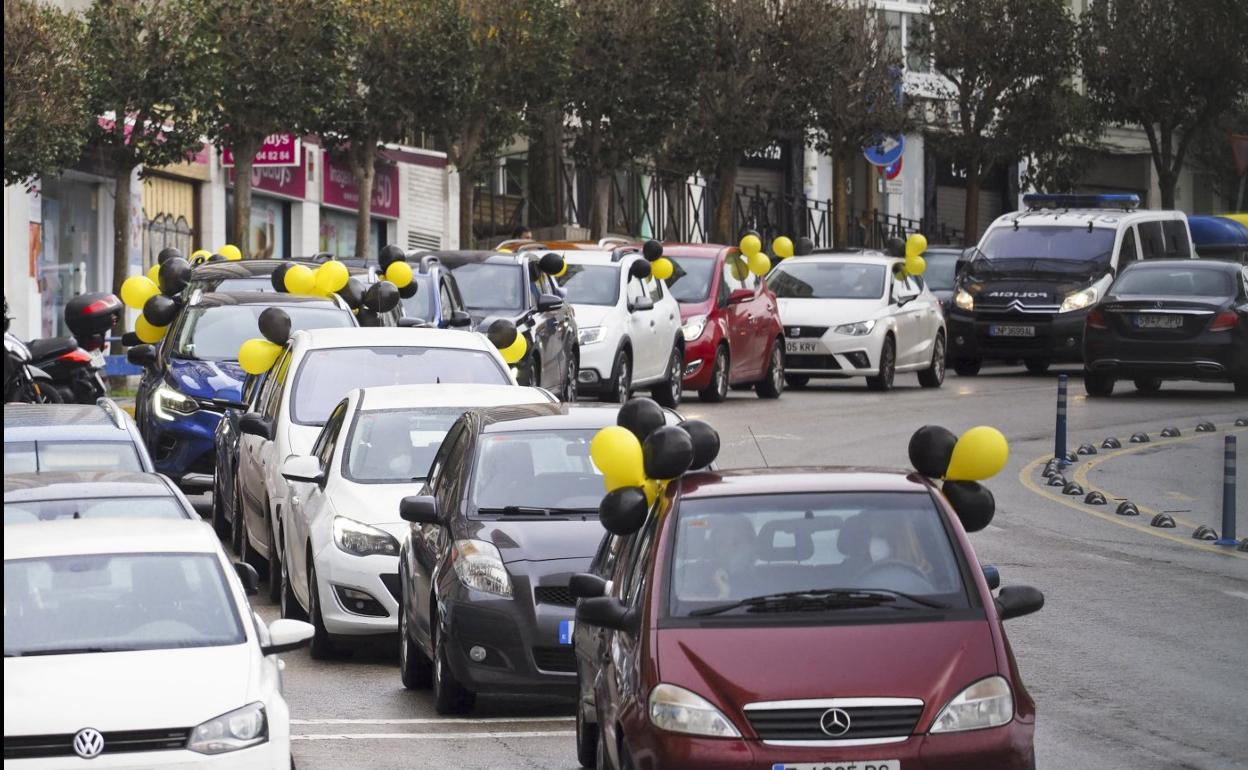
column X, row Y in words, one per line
column 30, row 498
column 72, row 437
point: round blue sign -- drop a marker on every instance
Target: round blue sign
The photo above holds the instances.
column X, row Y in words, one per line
column 885, row 151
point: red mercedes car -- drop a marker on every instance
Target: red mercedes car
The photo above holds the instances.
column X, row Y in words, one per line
column 803, row 619
column 731, row 322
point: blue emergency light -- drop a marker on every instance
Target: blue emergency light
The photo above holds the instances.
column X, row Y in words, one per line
column 1124, row 201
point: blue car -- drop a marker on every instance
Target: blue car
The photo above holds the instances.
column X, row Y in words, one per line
column 437, row 301
column 193, row 375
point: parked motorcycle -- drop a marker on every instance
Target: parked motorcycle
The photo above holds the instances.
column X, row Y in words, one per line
column 64, row 369
column 23, row 381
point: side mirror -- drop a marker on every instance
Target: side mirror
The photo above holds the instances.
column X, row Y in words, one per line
column 643, row 303
column 960, row 265
column 585, row 585
column 286, row 635
column 459, row 319
column 740, row 295
column 607, row 612
column 993, row 576
column 303, row 468
column 249, row 577
column 419, row 509
column 1017, row 601
column 411, row 323
column 549, row 302
column 256, row 424
column 142, row 355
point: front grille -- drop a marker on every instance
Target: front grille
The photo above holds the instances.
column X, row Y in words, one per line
column 557, row 659
column 558, row 595
column 120, row 742
column 805, row 332
column 391, row 581
column 796, row 361
column 804, row 724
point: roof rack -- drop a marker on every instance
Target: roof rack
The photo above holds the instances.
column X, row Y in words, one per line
column 515, row 244
column 620, row 252
column 113, row 411
column 614, row 240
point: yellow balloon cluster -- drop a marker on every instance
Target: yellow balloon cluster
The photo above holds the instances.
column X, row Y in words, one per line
column 980, row 453
column 739, row 265
column 782, row 247
column 759, row 263
column 257, row 355
column 231, row 252
column 146, row 332
column 617, row 453
column 398, row 273
column 153, row 274
column 914, row 263
column 300, row 279
column 916, row 244
column 515, row 351
column 328, row 278
column 137, row 290
column 199, row 256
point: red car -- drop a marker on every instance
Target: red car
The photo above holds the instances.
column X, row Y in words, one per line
column 803, row 619
column 731, row 322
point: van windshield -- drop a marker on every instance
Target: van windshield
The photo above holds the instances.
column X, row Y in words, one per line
column 1034, row 249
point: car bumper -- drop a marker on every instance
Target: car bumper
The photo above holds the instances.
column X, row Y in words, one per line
column 700, row 361
column 183, row 445
column 1209, row 356
column 1056, row 337
column 835, row 355
column 376, row 575
column 595, row 362
column 274, row 754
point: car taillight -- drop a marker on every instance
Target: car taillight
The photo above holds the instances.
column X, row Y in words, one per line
column 1224, row 321
column 77, row 356
column 1096, row 319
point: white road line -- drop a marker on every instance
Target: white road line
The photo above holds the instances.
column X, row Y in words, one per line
column 433, row 736
column 434, row 721
column 1237, row 594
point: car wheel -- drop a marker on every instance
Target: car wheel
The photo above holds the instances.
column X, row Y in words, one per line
column 322, row 647
column 668, row 392
column 1148, row 385
column 586, row 738
column 967, row 367
column 772, row 384
column 569, row 380
column 275, row 565
column 290, row 603
column 1098, row 385
column 415, row 668
column 888, row 368
column 1037, row 365
column 617, row 389
column 449, row 696
column 934, row 375
column 797, row 381
column 717, row 390
column 46, row 393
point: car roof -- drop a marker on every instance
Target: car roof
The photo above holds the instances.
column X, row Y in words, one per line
column 103, row 418
column 696, row 250
column 1100, row 218
column 860, row 257
column 797, row 480
column 558, row 416
column 454, row 259
column 278, row 299
column 243, row 268
column 846, row 251
column 388, row 337
column 70, row 537
column 1200, row 264
column 69, row 485
column 597, row 257
column 433, row 395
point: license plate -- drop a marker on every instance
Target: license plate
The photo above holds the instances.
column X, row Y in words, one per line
column 868, row 764
column 1157, row 321
column 799, row 347
column 97, row 359
column 565, row 631
column 1011, row 330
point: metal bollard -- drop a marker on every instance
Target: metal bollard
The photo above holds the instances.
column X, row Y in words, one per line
column 1059, row 435
column 1228, row 495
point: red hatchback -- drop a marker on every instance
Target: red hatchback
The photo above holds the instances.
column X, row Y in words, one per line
column 731, row 322
column 804, row 619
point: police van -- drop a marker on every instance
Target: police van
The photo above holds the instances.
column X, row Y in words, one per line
column 1023, row 293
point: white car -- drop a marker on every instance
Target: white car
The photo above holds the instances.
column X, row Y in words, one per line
column 310, row 377
column 134, row 647
column 629, row 327
column 847, row 315
column 342, row 533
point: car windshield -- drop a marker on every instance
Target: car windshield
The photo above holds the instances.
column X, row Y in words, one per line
column 813, row 552
column 397, row 445
column 691, row 278
column 592, row 284
column 1050, row 249
column 216, row 333
column 255, row 283
column 827, row 280
column 491, row 286
column 420, row 304
column 31, row 511
column 42, row 456
column 941, row 270
column 116, row 602
column 536, row 472
column 326, row 375
column 1174, row 281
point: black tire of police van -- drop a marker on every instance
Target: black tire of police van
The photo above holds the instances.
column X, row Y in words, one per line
column 772, row 384
column 586, row 737
column 884, row 381
column 797, row 381
column 415, row 668
column 967, row 367
column 934, row 375
column 1037, row 365
column 449, row 696
column 1147, row 385
column 717, row 389
column 1098, row 385
column 322, row 647
column 669, row 391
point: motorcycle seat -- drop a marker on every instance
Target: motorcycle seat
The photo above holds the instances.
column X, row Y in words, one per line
column 52, row 347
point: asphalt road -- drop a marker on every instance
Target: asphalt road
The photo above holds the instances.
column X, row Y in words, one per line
column 1136, row 662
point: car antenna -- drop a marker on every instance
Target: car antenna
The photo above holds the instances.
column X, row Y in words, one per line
column 758, row 447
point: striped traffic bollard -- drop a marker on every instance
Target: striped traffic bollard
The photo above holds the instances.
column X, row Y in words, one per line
column 1059, row 435
column 1228, row 494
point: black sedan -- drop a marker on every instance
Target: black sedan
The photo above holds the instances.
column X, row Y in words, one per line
column 1168, row 319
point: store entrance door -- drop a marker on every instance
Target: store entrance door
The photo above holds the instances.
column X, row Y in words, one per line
column 69, row 261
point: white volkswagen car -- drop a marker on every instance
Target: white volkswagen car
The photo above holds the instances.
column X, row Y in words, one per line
column 309, row 378
column 847, row 315
column 135, row 647
column 342, row 533
column 629, row 327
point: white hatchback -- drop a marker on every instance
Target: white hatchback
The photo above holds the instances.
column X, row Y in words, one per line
column 847, row 315
column 131, row 646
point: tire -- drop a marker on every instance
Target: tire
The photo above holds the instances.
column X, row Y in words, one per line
column 289, row 604
column 797, row 381
column 967, row 367
column 1037, row 365
column 883, row 382
column 44, row 392
column 586, row 738
column 772, row 384
column 415, row 668
column 934, row 375
column 449, row 696
column 568, row 393
column 668, row 392
column 618, row 387
column 717, row 390
column 1149, row 385
column 1098, row 385
column 275, row 565
column 322, row 647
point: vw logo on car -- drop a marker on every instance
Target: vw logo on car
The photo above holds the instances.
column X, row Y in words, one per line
column 88, row 743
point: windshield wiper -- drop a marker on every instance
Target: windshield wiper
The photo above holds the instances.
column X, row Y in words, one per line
column 527, row 510
column 818, row 599
column 66, row 651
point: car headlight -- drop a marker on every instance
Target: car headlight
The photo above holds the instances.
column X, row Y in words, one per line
column 857, row 329
column 480, row 566
column 987, row 703
column 167, row 402
column 231, row 731
column 964, row 300
column 693, row 328
column 362, row 540
column 590, row 334
column 678, row 710
column 1078, row 300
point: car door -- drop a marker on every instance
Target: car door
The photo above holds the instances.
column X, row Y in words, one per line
column 641, row 330
column 251, row 471
column 588, row 641
column 927, row 308
column 428, row 542
column 309, row 501
column 907, row 314
column 737, row 315
column 666, row 320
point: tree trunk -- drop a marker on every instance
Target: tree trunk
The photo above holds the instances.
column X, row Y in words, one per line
column 364, row 170
column 466, row 237
column 971, row 220
column 545, row 159
column 244, row 157
column 121, row 228
column 1167, row 180
column 840, row 201
column 727, row 183
column 599, row 205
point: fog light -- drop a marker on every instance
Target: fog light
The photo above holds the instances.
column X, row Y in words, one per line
column 359, row 602
column 960, row 340
column 477, row 653
column 1070, row 342
column 692, row 367
column 587, row 375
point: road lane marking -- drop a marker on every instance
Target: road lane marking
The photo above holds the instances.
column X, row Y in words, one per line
column 432, row 721
column 1237, row 594
column 432, row 736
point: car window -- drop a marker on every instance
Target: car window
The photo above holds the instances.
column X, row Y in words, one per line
column 396, row 445
column 1175, row 282
column 439, row 459
column 491, row 286
column 216, row 333
column 451, row 476
column 1177, row 244
column 252, row 386
column 941, row 272
column 536, row 469
column 736, row 268
column 828, row 280
column 637, row 563
column 691, row 278
column 635, row 290
column 43, row 456
column 420, row 304
column 592, row 284
column 1152, row 244
column 31, row 511
column 272, row 400
column 446, row 299
column 1126, row 250
column 656, row 289
column 323, row 449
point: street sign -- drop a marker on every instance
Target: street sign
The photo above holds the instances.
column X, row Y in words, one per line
column 892, row 170
column 277, row 150
column 885, row 151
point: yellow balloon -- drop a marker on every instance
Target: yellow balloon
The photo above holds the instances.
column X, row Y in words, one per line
column 653, row 488
column 563, row 270
column 662, row 268
column 399, row 274
column 300, row 280
column 504, row 251
column 257, row 355
column 230, row 252
column 199, row 256
column 137, row 290
column 153, row 274
column 617, row 453
column 760, row 263
column 148, row 333
column 739, row 265
column 915, row 245
column 515, row 351
column 330, row 277
column 750, row 245
column 782, row 247
column 915, row 265
column 980, row 454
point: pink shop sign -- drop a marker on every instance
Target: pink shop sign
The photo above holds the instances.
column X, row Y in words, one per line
column 277, row 150
column 287, row 181
column 340, row 191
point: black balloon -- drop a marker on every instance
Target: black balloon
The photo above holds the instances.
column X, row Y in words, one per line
column 804, row 246
column 501, row 333
column 640, row 269
column 667, row 452
column 931, row 447
column 368, row 317
column 972, row 502
column 353, row 292
column 279, row 276
column 642, row 416
column 550, row 263
column 705, row 442
column 275, row 325
column 895, row 247
column 160, row 310
column 652, row 250
column 175, row 274
column 623, row 511
column 409, row 291
column 381, row 297
column 217, row 258
column 130, row 339
column 167, row 254
column 388, row 254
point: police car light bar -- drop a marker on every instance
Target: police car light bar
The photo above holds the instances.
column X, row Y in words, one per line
column 1126, row 201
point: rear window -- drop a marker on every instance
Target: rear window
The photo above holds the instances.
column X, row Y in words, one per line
column 33, row 511
column 1175, row 281
column 42, row 456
